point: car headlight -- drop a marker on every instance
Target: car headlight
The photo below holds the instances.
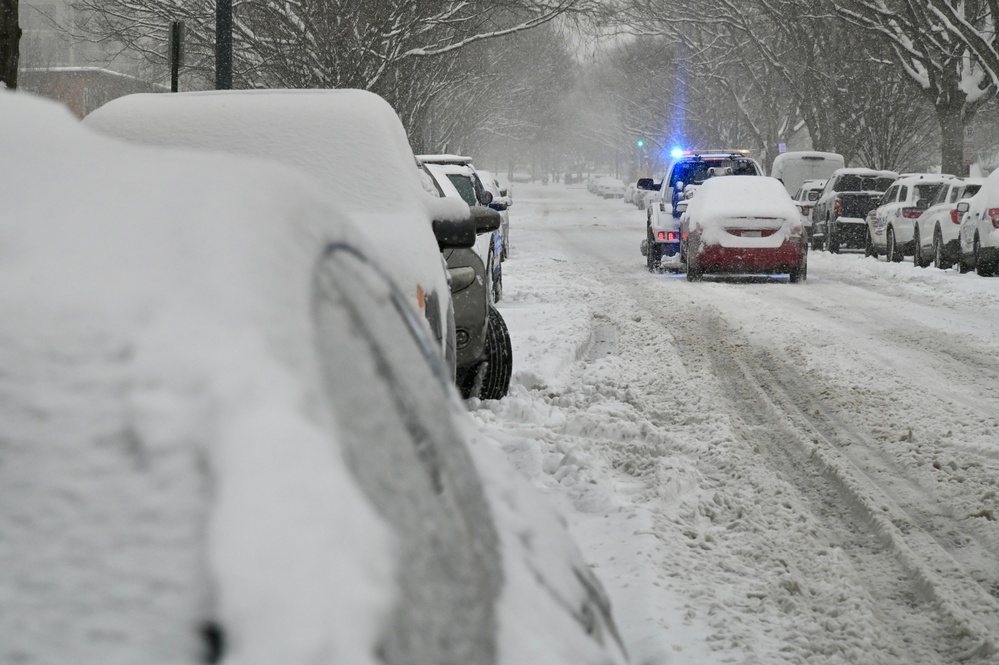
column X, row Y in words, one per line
column 461, row 278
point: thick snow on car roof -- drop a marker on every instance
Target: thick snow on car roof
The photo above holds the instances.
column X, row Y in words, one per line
column 728, row 197
column 362, row 153
column 156, row 342
column 865, row 172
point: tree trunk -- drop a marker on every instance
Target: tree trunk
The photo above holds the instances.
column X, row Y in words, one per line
column 952, row 119
column 10, row 38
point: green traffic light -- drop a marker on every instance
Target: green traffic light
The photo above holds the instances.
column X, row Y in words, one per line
column 640, row 143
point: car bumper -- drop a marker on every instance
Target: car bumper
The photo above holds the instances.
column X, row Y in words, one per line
column 752, row 260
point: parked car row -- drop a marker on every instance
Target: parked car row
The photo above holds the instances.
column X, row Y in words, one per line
column 605, row 186
column 230, row 425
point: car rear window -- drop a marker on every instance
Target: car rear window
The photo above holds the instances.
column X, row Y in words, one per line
column 859, row 183
column 696, row 171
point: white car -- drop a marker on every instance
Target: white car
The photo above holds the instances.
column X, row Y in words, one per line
column 746, row 226
column 891, row 229
column 351, row 140
column 227, row 436
column 806, row 196
column 937, row 233
column 979, row 232
column 501, row 202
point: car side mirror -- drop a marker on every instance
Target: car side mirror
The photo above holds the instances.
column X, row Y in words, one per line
column 498, row 206
column 487, row 197
column 646, row 183
column 454, row 234
column 963, row 207
column 485, row 220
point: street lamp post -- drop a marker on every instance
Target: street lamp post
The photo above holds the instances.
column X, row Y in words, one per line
column 223, row 44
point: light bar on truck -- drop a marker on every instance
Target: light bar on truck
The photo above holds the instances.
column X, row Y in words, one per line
column 679, row 152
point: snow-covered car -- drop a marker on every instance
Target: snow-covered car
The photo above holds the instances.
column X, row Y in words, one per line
column 227, row 436
column 745, row 226
column 611, row 188
column 501, row 203
column 806, row 196
column 687, row 172
column 351, row 140
column 485, row 350
column 892, row 228
column 936, row 238
column 979, row 230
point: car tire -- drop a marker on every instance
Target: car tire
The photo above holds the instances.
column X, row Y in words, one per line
column 940, row 261
column 694, row 271
column 869, row 249
column 498, row 288
column 832, row 244
column 892, row 254
column 917, row 252
column 654, row 255
column 499, row 358
column 799, row 274
column 983, row 268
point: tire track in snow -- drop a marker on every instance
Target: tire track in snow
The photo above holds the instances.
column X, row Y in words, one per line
column 753, row 379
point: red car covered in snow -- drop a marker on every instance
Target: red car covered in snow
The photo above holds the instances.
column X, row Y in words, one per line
column 743, row 226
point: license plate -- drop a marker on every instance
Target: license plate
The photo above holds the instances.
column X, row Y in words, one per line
column 752, row 234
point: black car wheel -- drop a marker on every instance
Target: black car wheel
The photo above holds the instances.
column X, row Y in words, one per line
column 918, row 259
column 869, row 249
column 832, row 243
column 799, row 274
column 499, row 358
column 983, row 268
column 939, row 260
column 892, row 253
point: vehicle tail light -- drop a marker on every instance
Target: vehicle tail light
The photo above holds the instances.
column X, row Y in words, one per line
column 954, row 217
column 994, row 216
column 662, row 235
column 805, row 209
column 911, row 213
column 672, row 236
column 838, row 207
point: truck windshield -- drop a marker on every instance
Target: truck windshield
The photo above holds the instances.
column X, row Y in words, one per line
column 695, row 171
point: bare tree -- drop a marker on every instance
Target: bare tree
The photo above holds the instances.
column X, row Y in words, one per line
column 10, row 38
column 948, row 72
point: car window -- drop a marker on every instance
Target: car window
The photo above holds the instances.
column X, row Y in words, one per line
column 889, row 195
column 696, row 171
column 969, row 191
column 465, row 187
column 927, row 193
column 411, row 462
column 953, row 194
column 880, row 184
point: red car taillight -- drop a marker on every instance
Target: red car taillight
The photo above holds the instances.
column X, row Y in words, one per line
column 838, row 207
column 954, row 217
column 994, row 216
column 669, row 237
column 805, row 209
column 911, row 213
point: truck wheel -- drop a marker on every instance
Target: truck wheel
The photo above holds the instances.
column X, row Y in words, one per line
column 832, row 243
column 655, row 255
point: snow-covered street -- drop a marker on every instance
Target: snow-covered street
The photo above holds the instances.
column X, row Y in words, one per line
column 759, row 472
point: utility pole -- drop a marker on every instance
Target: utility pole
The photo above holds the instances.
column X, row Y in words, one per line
column 10, row 43
column 223, row 44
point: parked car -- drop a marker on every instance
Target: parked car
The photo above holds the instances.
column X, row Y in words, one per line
column 893, row 225
column 469, row 188
column 485, row 351
column 228, row 437
column 352, row 140
column 804, row 198
column 501, row 203
column 979, row 230
column 841, row 210
column 687, row 172
column 794, row 168
column 744, row 226
column 936, row 238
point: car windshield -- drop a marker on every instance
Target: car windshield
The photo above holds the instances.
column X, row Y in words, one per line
column 862, row 183
column 696, row 170
column 464, row 186
column 970, row 191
